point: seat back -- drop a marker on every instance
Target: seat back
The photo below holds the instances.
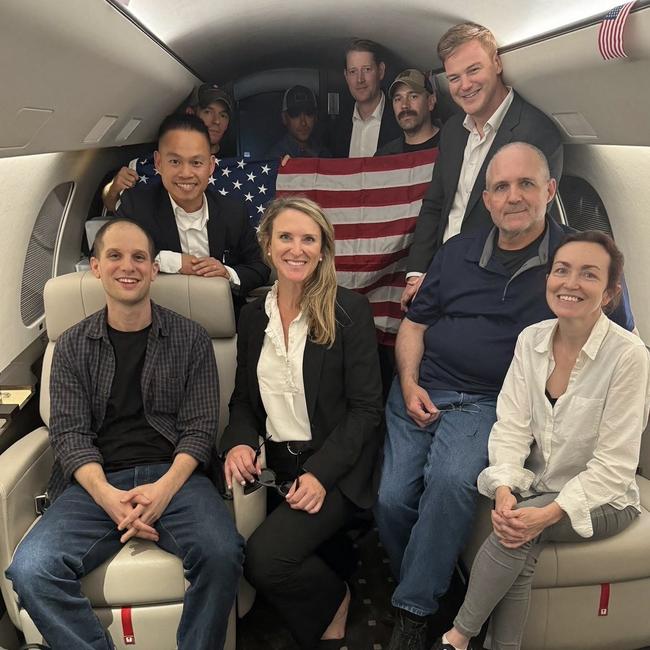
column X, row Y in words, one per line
column 25, row 467
column 208, row 301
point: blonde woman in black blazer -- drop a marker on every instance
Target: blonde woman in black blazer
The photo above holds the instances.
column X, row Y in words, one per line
column 307, row 382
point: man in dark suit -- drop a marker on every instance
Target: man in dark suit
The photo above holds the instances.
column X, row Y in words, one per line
column 494, row 115
column 371, row 123
column 197, row 233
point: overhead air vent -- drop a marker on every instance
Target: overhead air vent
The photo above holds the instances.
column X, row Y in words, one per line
column 100, row 129
column 576, row 125
column 128, row 129
column 39, row 260
column 19, row 132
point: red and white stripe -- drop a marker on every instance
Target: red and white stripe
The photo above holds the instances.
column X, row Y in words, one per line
column 373, row 204
column 610, row 32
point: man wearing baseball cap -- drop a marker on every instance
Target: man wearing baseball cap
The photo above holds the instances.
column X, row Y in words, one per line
column 208, row 101
column 413, row 98
column 299, row 115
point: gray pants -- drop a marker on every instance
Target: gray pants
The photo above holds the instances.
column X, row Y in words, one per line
column 501, row 577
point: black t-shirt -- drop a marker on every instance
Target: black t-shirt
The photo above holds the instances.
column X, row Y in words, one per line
column 126, row 439
column 427, row 144
column 512, row 261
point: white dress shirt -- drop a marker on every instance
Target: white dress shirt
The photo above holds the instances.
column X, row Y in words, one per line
column 365, row 133
column 193, row 234
column 476, row 150
column 279, row 375
column 586, row 448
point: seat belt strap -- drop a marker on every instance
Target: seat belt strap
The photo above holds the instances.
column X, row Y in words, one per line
column 127, row 626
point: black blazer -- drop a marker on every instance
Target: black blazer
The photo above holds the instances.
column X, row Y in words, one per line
column 523, row 122
column 343, row 394
column 230, row 235
column 341, row 131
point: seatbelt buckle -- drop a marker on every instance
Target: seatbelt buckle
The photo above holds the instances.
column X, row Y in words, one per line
column 41, row 503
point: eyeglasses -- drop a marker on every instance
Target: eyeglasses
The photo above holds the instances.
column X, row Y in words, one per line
column 268, row 477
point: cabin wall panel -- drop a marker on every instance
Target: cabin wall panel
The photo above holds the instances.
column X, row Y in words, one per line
column 82, row 59
column 25, row 182
column 620, row 176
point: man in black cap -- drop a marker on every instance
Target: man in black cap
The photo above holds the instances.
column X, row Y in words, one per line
column 299, row 115
column 413, row 99
column 208, row 101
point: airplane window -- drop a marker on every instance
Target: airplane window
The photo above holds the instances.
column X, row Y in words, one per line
column 583, row 206
column 39, row 260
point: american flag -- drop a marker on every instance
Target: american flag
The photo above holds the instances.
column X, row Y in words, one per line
column 610, row 33
column 251, row 182
column 373, row 204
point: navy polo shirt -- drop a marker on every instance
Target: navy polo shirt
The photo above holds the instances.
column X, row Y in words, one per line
column 475, row 310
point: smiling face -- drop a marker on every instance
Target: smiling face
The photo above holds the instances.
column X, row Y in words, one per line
column 217, row 118
column 474, row 80
column 295, row 246
column 124, row 265
column 363, row 76
column 185, row 165
column 517, row 193
column 412, row 109
column 576, row 287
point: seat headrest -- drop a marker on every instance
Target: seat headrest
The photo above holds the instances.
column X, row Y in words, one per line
column 71, row 298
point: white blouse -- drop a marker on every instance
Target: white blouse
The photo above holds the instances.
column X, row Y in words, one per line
column 586, row 448
column 279, row 375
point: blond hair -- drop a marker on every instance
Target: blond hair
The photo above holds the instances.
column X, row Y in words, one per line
column 463, row 33
column 319, row 295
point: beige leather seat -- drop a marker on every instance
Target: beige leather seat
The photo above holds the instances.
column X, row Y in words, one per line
column 571, row 579
column 141, row 575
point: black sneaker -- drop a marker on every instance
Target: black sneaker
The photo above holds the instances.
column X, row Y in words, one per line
column 408, row 634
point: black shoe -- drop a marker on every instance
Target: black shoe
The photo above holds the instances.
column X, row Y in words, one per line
column 408, row 634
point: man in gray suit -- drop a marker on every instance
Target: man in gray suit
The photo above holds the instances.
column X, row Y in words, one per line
column 494, row 115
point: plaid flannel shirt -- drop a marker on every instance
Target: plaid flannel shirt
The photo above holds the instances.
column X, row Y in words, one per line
column 180, row 390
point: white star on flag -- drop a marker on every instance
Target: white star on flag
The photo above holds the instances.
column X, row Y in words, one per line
column 262, row 189
column 265, row 169
column 217, row 161
column 251, row 177
column 143, row 179
column 248, row 196
column 223, row 191
column 260, row 209
column 236, row 185
column 225, row 172
column 144, row 161
column 241, row 164
column 211, row 180
column 156, row 172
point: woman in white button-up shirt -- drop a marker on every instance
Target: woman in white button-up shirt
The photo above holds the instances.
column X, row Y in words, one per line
column 307, row 376
column 570, row 417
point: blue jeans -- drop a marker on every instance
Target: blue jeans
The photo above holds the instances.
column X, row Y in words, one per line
column 427, row 495
column 75, row 536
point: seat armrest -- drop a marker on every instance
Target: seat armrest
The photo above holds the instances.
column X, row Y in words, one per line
column 24, row 472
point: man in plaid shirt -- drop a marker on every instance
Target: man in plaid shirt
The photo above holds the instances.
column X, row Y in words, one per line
column 134, row 412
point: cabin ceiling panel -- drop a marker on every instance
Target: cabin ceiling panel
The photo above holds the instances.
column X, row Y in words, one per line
column 74, row 61
column 222, row 41
column 566, row 75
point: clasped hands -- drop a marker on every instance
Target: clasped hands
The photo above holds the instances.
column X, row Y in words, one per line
column 208, row 267
column 514, row 527
column 243, row 466
column 136, row 511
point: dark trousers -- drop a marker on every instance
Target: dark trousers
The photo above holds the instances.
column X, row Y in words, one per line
column 283, row 563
